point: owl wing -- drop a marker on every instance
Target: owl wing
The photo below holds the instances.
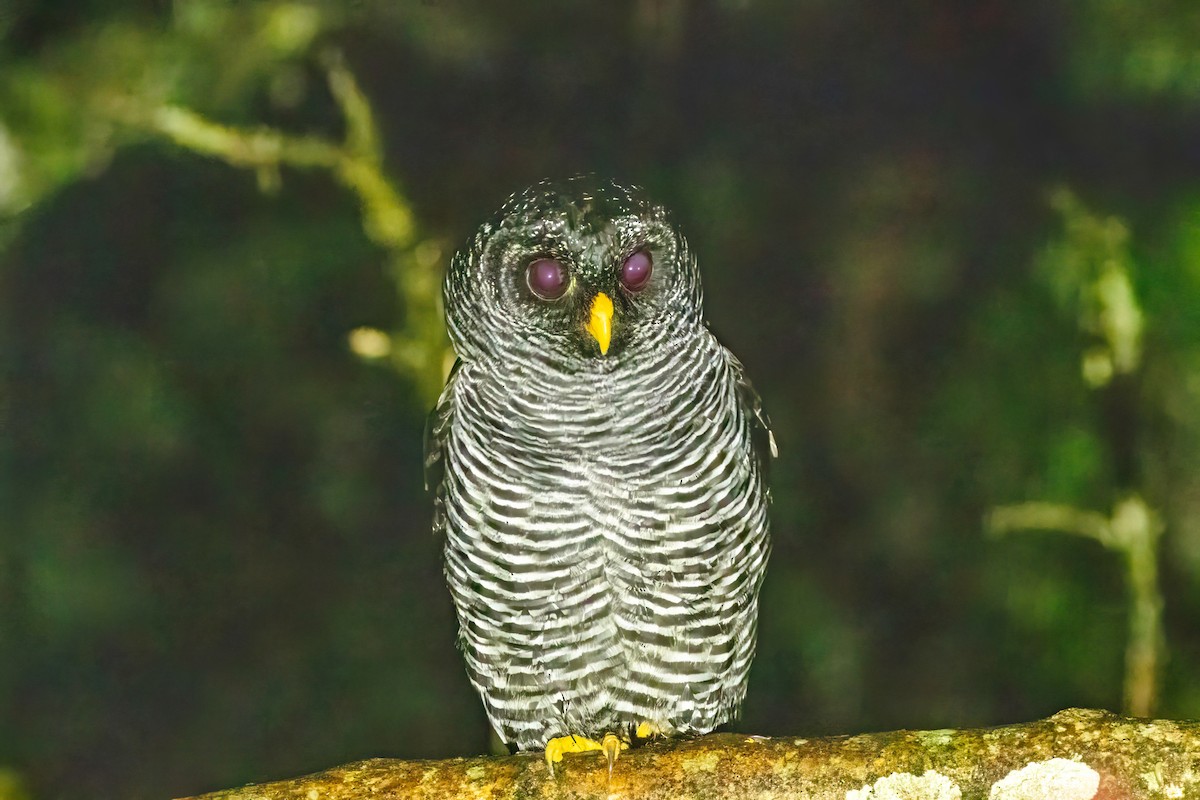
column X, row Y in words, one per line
column 762, row 437
column 437, row 429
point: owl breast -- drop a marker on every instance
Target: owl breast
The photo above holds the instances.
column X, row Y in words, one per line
column 605, row 541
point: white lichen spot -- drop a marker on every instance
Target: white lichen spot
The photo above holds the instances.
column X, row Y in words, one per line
column 1153, row 779
column 313, row 794
column 1056, row 779
column 477, row 773
column 799, row 742
column 705, row 762
column 933, row 785
column 1157, row 784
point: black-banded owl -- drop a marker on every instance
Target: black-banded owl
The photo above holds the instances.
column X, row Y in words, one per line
column 599, row 461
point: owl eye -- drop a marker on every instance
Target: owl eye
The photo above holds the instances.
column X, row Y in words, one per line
column 635, row 272
column 547, row 278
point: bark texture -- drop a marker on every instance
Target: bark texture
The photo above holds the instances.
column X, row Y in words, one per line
column 1076, row 754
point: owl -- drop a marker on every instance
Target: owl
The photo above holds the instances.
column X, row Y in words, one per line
column 599, row 462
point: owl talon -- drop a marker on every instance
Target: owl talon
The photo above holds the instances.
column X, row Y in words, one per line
column 612, row 746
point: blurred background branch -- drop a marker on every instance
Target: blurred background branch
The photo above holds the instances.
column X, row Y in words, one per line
column 1132, row 531
column 88, row 94
column 421, row 350
column 1091, row 270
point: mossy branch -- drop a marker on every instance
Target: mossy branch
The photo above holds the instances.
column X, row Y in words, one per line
column 1073, row 755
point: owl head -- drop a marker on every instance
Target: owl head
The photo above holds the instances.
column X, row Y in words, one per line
column 577, row 269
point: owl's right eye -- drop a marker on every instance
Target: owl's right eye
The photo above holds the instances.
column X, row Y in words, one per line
column 547, row 278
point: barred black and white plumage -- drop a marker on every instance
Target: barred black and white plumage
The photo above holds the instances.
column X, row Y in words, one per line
column 605, row 514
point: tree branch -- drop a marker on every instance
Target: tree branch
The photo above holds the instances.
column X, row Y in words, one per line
column 1074, row 755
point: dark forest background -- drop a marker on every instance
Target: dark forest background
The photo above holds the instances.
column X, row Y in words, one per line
column 957, row 246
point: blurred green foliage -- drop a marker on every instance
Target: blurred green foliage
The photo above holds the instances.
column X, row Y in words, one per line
column 956, row 244
column 1139, row 49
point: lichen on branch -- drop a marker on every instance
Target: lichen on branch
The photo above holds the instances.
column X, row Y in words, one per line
column 1074, row 755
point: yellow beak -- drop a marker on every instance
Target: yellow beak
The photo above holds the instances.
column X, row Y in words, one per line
column 600, row 324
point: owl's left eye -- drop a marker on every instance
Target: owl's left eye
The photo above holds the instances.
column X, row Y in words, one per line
column 635, row 272
column 547, row 278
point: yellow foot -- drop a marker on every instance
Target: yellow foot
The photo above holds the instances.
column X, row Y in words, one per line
column 568, row 744
column 647, row 730
column 612, row 745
